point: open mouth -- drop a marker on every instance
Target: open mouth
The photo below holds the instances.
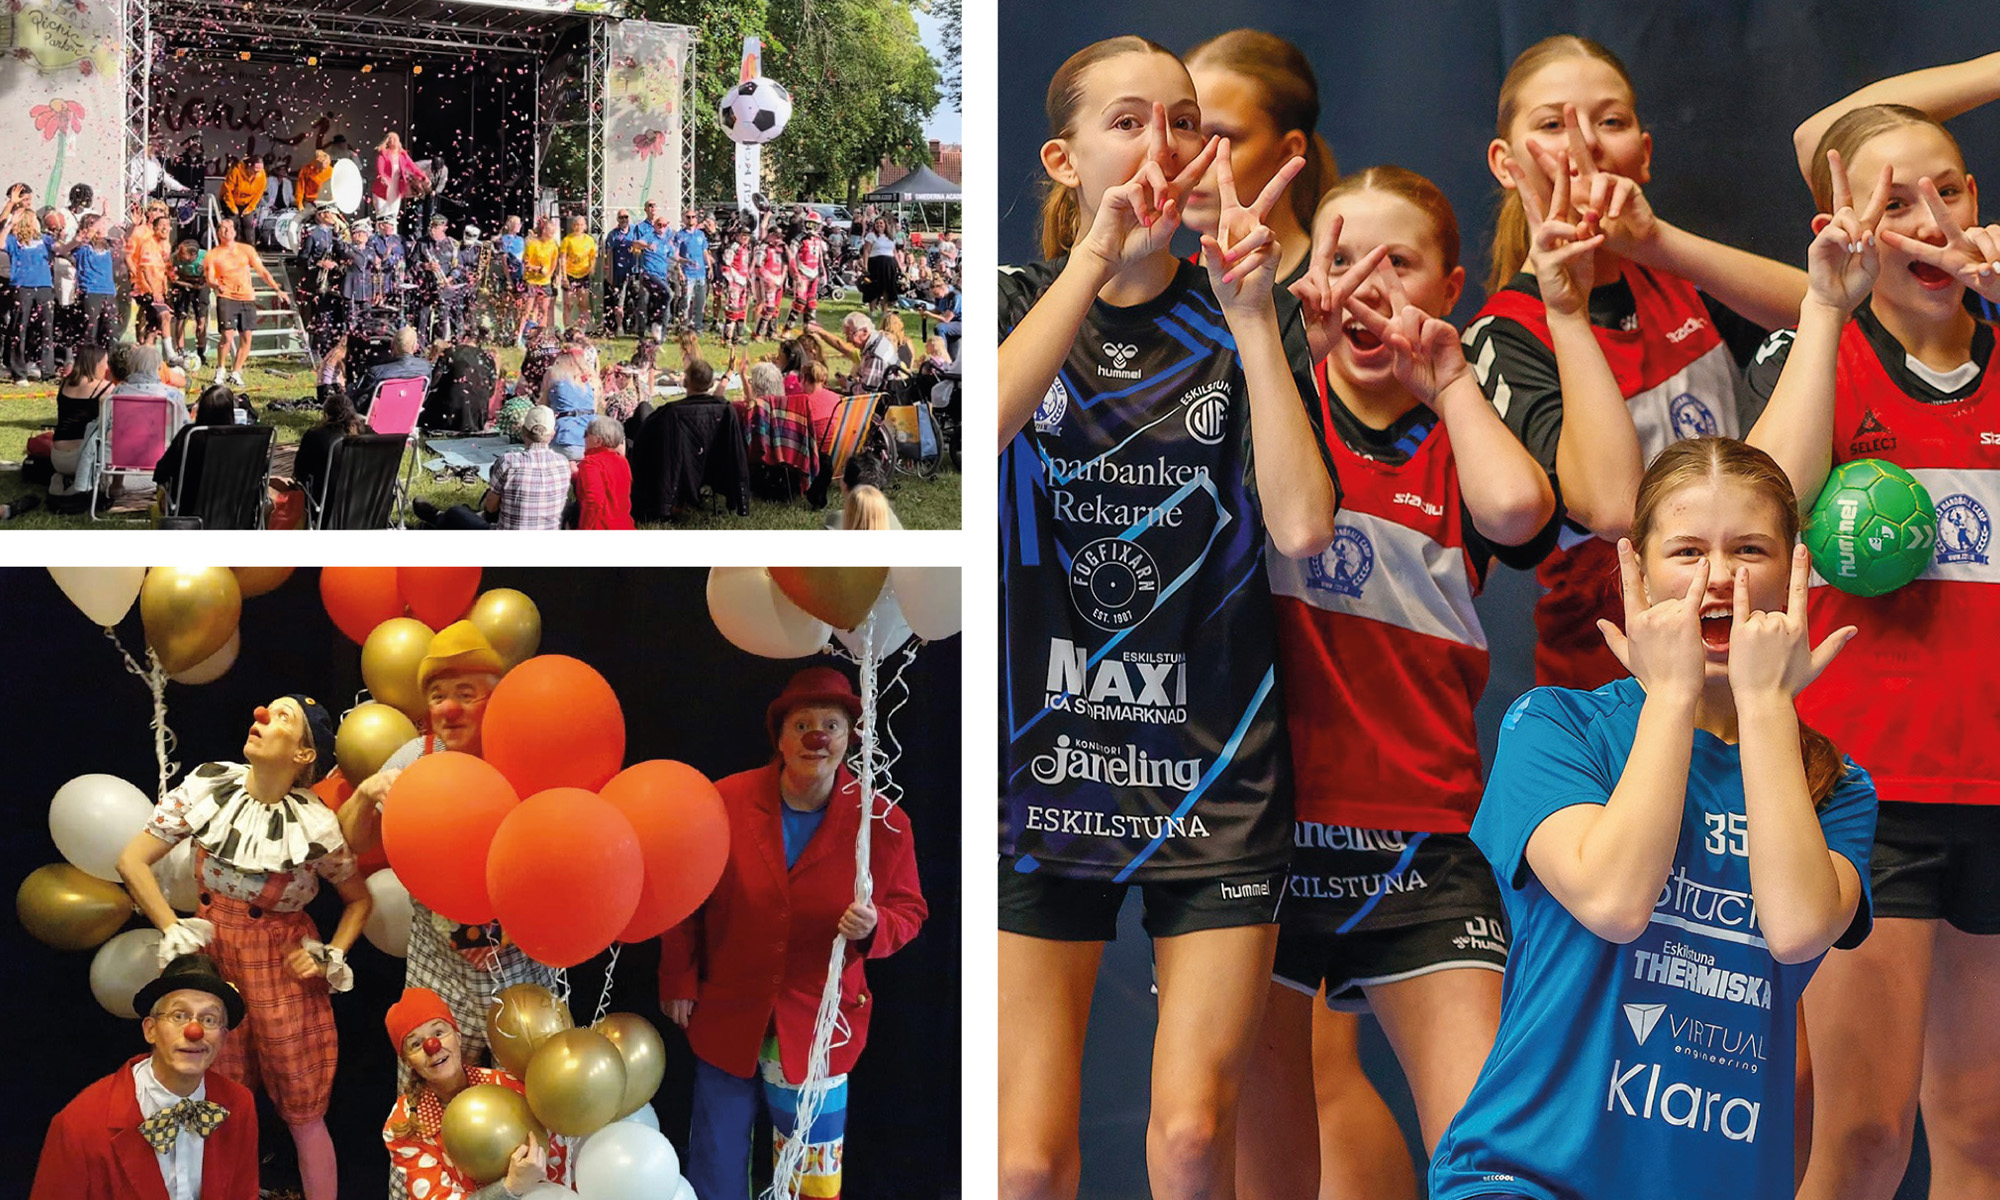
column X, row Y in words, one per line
column 1715, row 628
column 1931, row 277
column 439, row 1061
column 1361, row 338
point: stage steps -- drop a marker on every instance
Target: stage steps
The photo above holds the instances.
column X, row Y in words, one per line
column 280, row 332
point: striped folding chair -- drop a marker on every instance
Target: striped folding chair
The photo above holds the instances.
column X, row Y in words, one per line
column 850, row 428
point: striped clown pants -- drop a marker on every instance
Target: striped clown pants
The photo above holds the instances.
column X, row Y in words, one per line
column 725, row 1114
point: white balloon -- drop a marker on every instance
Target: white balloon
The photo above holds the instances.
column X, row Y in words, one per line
column 685, row 1191
column 547, row 1190
column 216, row 665
column 388, row 927
column 92, row 817
column 644, row 1115
column 175, row 874
column 623, row 1161
column 123, row 965
column 104, row 594
column 891, row 630
column 930, row 600
column 755, row 616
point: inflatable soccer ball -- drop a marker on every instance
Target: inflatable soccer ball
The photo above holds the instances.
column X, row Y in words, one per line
column 1874, row 528
column 756, row 111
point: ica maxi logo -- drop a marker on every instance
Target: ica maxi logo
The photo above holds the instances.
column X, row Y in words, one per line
column 1049, row 414
column 1963, row 530
column 1207, row 410
column 1114, row 583
column 1119, row 353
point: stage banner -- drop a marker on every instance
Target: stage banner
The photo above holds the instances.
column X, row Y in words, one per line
column 644, row 125
column 62, row 99
column 285, row 111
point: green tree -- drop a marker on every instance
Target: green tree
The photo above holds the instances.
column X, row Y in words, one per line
column 721, row 26
column 862, row 83
column 952, row 31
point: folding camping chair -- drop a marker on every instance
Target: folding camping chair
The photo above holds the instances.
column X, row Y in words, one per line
column 235, row 477
column 853, row 424
column 132, row 434
column 359, row 487
column 396, row 405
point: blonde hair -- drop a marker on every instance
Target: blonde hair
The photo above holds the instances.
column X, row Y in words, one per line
column 866, row 508
column 1062, row 212
column 1291, row 99
column 1418, row 191
column 1856, row 129
column 1510, row 225
column 1695, row 461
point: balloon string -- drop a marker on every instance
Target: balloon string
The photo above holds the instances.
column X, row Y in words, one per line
column 562, row 985
column 604, row 1000
column 155, row 679
column 827, row 1022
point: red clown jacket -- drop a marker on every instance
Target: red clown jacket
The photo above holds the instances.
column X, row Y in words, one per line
column 95, row 1151
column 755, row 954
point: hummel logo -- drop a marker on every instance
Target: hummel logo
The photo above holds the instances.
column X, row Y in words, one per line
column 1119, row 355
column 1643, row 1017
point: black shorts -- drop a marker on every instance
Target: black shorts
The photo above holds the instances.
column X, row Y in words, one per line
column 1043, row 905
column 1372, row 906
column 239, row 315
column 151, row 315
column 1938, row 862
column 189, row 301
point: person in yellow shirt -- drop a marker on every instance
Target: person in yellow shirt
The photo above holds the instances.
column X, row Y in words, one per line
column 313, row 178
column 579, row 259
column 228, row 268
column 538, row 260
column 242, row 192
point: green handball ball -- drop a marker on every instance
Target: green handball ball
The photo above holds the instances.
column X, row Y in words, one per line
column 1874, row 528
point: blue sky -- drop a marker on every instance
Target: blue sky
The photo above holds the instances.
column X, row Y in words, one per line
column 944, row 123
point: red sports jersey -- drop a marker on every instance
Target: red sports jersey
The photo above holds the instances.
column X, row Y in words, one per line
column 1379, row 649
column 806, row 256
column 1916, row 697
column 1679, row 382
column 771, row 263
column 736, row 265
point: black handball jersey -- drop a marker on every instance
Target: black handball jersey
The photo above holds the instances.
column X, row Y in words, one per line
column 1142, row 736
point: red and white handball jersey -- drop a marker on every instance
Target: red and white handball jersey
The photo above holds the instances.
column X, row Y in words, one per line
column 1678, row 380
column 1915, row 698
column 1380, row 652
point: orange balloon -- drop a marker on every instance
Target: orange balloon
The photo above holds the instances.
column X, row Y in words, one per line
column 683, row 833
column 359, row 598
column 564, row 872
column 554, row 722
column 438, row 595
column 840, row 596
column 437, row 823
column 333, row 792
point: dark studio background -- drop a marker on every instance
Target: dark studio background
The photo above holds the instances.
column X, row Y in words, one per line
column 1720, row 86
column 687, row 694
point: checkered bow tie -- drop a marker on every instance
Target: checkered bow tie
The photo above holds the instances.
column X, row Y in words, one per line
column 199, row 1117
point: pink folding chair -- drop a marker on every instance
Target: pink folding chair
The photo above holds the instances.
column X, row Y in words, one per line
column 395, row 409
column 132, row 429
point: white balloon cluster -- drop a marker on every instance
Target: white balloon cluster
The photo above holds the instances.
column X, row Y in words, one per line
column 753, row 612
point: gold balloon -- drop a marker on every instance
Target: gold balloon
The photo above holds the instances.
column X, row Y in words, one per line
column 189, row 613
column 389, row 660
column 484, row 1125
column 519, row 1019
column 256, row 581
column 369, row 735
column 645, row 1057
column 70, row 910
column 840, row 596
column 576, row 1082
column 510, row 622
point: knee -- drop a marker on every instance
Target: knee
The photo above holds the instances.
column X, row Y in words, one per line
column 1876, row 1145
column 1184, row 1145
column 1038, row 1173
column 1965, row 1127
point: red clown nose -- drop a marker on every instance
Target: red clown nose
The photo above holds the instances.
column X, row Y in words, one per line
column 432, row 1046
column 194, row 1032
column 816, row 739
column 262, row 716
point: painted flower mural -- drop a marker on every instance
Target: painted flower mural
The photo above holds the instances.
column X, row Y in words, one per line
column 650, row 145
column 57, row 121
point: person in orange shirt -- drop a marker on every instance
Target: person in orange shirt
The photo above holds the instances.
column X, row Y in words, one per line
column 146, row 258
column 579, row 259
column 242, row 192
column 229, row 267
column 313, row 178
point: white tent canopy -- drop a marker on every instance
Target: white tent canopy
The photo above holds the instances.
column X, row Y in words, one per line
column 922, row 185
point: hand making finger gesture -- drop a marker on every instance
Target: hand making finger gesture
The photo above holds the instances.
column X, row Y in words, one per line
column 1428, row 355
column 1843, row 261
column 1560, row 245
column 1242, row 254
column 1772, row 652
column 1138, row 218
column 1619, row 204
column 1322, row 294
column 1970, row 255
column 1661, row 643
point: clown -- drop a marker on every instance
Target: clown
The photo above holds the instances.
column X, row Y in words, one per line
column 743, row 975
column 427, row 1042
column 466, row 965
column 262, row 845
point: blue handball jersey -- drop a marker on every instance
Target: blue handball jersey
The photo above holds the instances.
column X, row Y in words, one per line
column 1143, row 737
column 1658, row 1070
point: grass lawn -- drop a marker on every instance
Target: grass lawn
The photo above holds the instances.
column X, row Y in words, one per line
column 25, row 411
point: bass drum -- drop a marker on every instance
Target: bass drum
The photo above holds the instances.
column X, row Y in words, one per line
column 346, row 187
column 288, row 229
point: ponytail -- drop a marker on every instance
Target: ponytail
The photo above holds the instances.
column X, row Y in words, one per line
column 1060, row 217
column 1824, row 766
column 1310, row 187
column 1510, row 242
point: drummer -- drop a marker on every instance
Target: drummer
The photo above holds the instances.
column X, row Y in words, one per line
column 314, row 178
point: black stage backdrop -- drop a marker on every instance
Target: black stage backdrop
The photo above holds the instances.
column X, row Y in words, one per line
column 72, row 709
column 1721, row 86
column 477, row 119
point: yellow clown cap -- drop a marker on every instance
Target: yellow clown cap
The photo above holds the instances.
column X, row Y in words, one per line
column 459, row 647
